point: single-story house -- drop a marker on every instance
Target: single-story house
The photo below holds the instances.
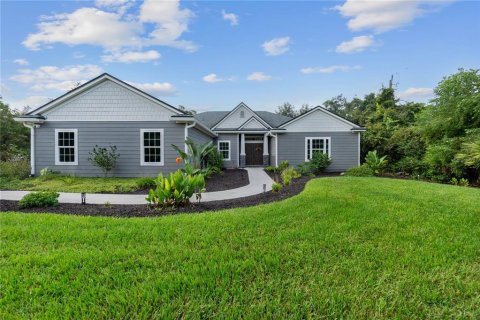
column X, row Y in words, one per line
column 107, row 111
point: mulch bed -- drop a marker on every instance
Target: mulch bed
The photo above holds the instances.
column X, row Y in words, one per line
column 227, row 179
column 294, row 188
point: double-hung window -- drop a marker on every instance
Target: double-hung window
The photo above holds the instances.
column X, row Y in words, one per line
column 66, row 147
column 316, row 144
column 224, row 149
column 151, row 141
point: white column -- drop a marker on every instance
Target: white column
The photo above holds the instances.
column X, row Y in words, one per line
column 265, row 144
column 242, row 144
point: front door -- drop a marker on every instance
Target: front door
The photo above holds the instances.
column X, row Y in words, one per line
column 254, row 154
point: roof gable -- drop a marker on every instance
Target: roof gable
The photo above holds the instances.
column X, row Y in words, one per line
column 318, row 119
column 118, row 97
column 237, row 116
column 252, row 123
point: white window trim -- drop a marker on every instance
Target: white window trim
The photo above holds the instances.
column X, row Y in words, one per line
column 142, row 148
column 57, row 154
column 229, row 148
column 329, row 151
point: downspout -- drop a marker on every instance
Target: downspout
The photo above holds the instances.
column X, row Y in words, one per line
column 188, row 126
column 276, row 147
column 32, row 146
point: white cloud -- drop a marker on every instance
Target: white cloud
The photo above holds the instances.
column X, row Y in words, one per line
column 116, row 31
column 132, row 56
column 259, row 76
column 416, row 93
column 160, row 88
column 55, row 78
column 276, row 46
column 21, row 62
column 357, row 44
column 231, row 17
column 382, row 16
column 331, row 69
column 78, row 55
column 212, row 78
column 170, row 21
column 30, row 101
column 121, row 6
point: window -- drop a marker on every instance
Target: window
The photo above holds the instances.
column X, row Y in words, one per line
column 66, row 147
column 224, row 149
column 242, row 114
column 152, row 147
column 316, row 144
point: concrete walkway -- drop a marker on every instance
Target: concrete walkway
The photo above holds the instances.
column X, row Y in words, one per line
column 257, row 178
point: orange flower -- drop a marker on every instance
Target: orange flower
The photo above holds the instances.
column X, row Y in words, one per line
column 178, row 160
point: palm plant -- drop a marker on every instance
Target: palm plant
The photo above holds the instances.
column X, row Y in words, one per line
column 375, row 162
column 196, row 154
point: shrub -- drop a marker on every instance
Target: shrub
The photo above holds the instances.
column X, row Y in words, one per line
column 304, row 169
column 176, row 189
column 409, row 165
column 39, row 199
column 18, row 168
column 283, row 165
column 361, row 171
column 145, row 182
column 289, row 174
column 47, row 174
column 103, row 158
column 463, row 182
column 271, row 168
column 375, row 162
column 214, row 159
column 197, row 154
column 319, row 162
column 276, row 187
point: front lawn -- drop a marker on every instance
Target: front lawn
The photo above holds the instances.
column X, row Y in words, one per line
column 71, row 184
column 346, row 247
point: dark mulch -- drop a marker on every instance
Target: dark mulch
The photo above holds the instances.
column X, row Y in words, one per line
column 294, row 188
column 227, row 179
column 278, row 178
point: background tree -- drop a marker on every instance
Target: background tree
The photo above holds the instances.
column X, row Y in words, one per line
column 287, row 109
column 14, row 136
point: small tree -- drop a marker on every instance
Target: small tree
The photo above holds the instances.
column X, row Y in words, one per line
column 103, row 158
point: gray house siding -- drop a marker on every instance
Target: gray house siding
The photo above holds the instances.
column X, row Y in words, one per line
column 234, row 149
column 198, row 137
column 124, row 135
column 344, row 148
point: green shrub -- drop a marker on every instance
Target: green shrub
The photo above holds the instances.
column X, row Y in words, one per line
column 145, row 182
column 304, row 169
column 47, row 174
column 289, row 174
column 463, row 182
column 361, row 171
column 214, row 160
column 17, row 168
column 103, row 158
column 409, row 165
column 375, row 162
column 276, row 187
column 39, row 199
column 271, row 168
column 283, row 165
column 319, row 162
column 176, row 189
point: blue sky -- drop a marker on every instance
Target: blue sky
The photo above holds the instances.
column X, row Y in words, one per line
column 212, row 55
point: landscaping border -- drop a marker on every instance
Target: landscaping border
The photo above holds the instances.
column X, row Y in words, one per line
column 293, row 189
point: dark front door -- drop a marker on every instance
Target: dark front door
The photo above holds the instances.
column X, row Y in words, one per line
column 254, row 154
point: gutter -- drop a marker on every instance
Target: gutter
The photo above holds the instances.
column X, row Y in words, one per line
column 188, row 126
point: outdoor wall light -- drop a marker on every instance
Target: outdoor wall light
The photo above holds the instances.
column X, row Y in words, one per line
column 84, row 198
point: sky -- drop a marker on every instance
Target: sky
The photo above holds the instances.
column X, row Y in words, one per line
column 212, row 55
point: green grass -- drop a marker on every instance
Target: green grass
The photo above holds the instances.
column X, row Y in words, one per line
column 358, row 248
column 70, row 184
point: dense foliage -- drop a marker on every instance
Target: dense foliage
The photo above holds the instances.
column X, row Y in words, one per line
column 176, row 189
column 437, row 141
column 15, row 168
column 196, row 156
column 14, row 136
column 39, row 199
column 104, row 158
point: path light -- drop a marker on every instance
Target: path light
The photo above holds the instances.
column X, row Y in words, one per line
column 84, row 198
column 264, row 187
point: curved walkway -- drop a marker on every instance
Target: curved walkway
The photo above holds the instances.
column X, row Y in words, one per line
column 257, row 178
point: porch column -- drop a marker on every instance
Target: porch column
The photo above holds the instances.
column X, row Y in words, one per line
column 266, row 156
column 242, row 151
